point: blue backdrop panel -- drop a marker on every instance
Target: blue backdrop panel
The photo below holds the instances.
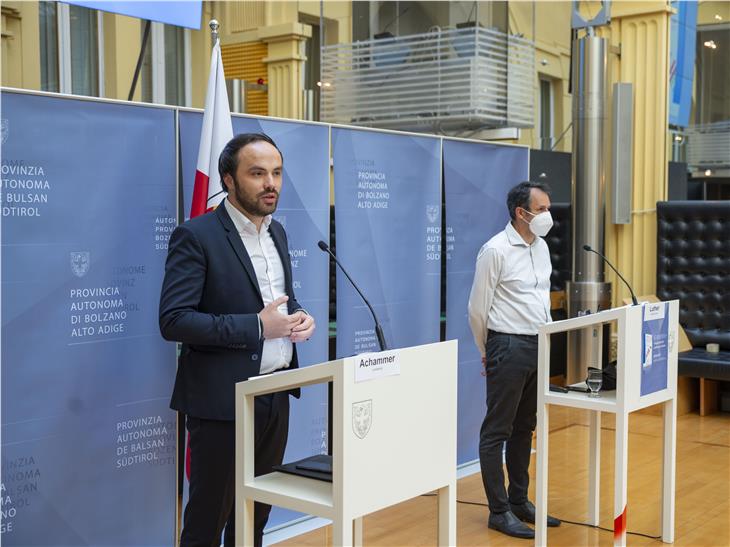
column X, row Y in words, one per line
column 304, row 211
column 477, row 178
column 388, row 225
column 88, row 441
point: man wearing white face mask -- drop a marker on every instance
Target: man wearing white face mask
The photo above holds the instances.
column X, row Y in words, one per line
column 509, row 300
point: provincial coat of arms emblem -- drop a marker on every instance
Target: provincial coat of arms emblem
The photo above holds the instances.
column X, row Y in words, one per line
column 80, row 262
column 362, row 417
column 432, row 212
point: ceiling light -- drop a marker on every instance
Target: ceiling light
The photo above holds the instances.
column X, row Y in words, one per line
column 711, row 44
column 718, row 17
column 708, row 172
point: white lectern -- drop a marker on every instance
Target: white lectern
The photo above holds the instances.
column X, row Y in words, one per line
column 394, row 438
column 646, row 375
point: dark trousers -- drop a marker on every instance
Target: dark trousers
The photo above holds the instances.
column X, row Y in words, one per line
column 212, row 456
column 511, row 417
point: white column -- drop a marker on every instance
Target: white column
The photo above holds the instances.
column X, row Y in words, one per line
column 669, row 468
column 594, row 468
column 447, row 515
column 342, row 531
column 541, row 478
column 621, row 478
column 244, row 471
column 357, row 532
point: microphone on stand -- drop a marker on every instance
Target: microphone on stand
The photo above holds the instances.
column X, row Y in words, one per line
column 378, row 329
column 592, row 250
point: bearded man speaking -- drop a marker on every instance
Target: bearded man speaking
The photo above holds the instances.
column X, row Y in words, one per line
column 228, row 297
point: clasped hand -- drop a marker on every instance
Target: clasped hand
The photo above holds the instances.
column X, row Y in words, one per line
column 298, row 326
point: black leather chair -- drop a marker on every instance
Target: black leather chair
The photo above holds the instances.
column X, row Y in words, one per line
column 559, row 241
column 693, row 265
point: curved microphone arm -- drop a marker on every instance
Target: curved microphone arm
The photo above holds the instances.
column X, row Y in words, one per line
column 592, row 250
column 378, row 329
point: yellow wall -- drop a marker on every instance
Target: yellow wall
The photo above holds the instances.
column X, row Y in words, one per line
column 21, row 45
column 552, row 61
column 245, row 61
column 338, row 19
column 641, row 30
column 122, row 37
column 12, row 73
column 706, row 12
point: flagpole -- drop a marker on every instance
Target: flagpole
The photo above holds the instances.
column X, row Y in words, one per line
column 214, row 26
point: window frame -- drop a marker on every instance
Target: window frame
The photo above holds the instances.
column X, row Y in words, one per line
column 702, row 87
column 157, row 50
column 65, row 78
column 551, row 113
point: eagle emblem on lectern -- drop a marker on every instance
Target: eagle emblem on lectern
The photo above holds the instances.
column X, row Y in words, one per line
column 362, row 417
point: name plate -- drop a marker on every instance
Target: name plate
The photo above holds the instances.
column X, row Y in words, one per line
column 369, row 366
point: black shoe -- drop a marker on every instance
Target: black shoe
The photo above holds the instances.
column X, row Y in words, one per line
column 509, row 524
column 526, row 513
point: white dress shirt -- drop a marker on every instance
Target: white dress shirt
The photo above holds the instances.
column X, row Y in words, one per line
column 277, row 353
column 511, row 289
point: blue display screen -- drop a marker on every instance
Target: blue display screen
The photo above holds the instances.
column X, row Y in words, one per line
column 182, row 13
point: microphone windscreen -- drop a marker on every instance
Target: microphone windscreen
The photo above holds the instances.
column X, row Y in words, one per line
column 587, row 248
column 322, row 245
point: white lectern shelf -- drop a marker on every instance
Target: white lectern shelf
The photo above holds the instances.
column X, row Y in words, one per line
column 283, row 489
column 605, row 403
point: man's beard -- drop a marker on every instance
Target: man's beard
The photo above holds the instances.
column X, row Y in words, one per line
column 254, row 206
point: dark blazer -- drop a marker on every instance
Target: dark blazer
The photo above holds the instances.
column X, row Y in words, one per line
column 209, row 301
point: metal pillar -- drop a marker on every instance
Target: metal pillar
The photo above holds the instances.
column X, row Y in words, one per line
column 587, row 292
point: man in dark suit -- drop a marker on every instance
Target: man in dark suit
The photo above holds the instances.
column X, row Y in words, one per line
column 227, row 296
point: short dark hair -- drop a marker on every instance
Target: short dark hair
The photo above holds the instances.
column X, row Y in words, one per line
column 519, row 196
column 228, row 160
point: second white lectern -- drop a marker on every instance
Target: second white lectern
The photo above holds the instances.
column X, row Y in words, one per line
column 646, row 374
column 394, row 438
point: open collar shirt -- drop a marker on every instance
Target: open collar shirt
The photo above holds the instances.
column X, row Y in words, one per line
column 511, row 288
column 277, row 352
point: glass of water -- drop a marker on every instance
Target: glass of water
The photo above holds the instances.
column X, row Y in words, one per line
column 594, row 382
